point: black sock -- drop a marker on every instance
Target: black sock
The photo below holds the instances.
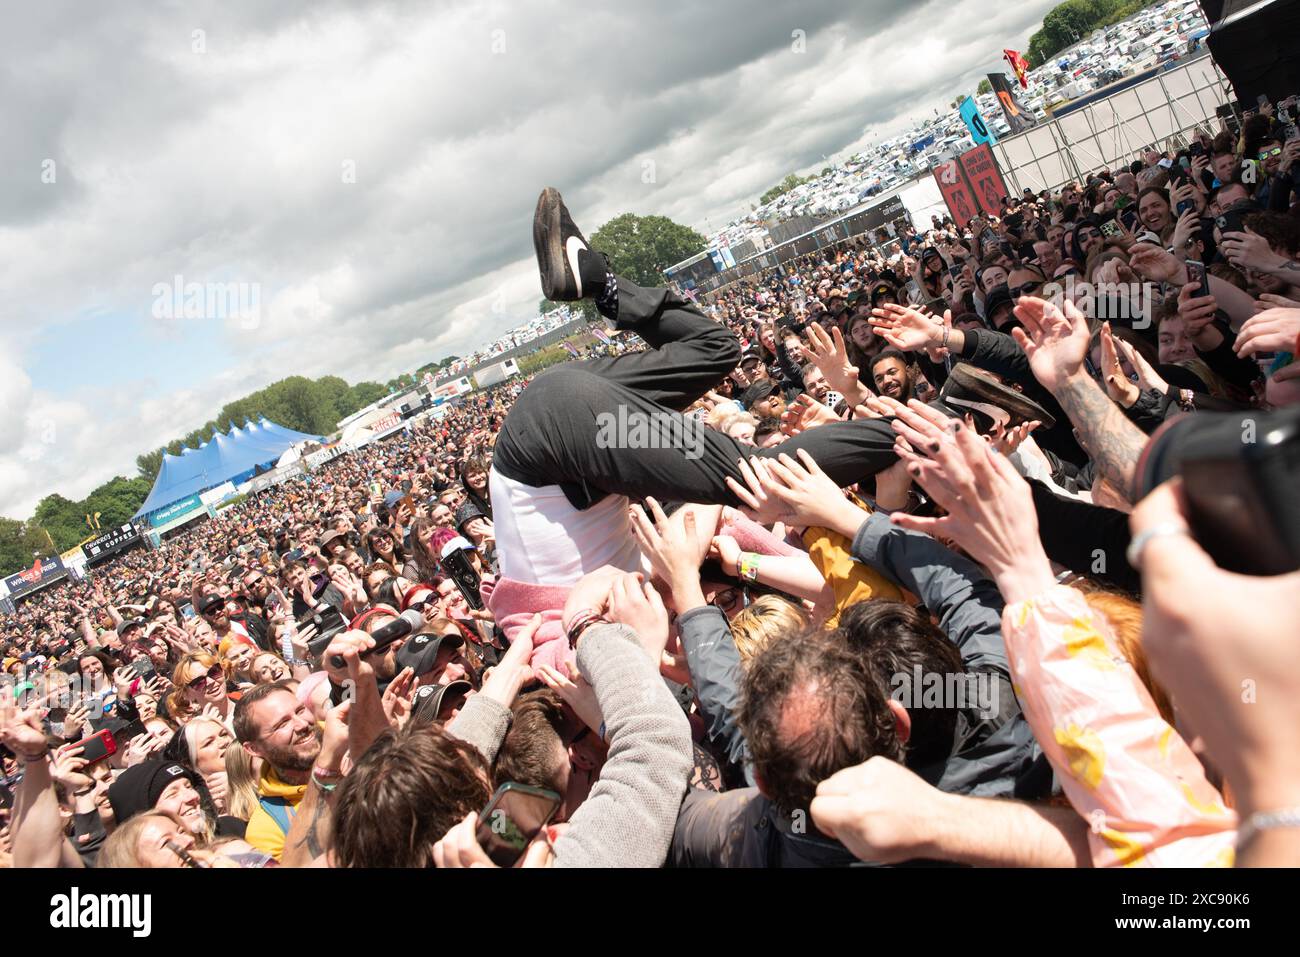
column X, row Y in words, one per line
column 598, row 282
column 591, row 273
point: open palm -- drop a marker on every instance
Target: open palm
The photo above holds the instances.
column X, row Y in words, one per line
column 1054, row 341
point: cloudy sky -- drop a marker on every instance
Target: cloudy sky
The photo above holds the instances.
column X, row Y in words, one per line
column 369, row 170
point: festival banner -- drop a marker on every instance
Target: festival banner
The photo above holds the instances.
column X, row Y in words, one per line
column 979, row 130
column 1018, row 117
column 956, row 191
column 985, row 180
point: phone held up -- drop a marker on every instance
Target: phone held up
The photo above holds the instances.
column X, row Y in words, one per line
column 515, row 815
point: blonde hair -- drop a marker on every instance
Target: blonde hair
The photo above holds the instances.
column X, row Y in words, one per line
column 176, row 701
column 241, row 783
column 122, row 848
column 767, row 617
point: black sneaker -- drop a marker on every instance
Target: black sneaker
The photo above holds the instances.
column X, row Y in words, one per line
column 971, row 389
column 558, row 242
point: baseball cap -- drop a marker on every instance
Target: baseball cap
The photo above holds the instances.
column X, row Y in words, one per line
column 129, row 623
column 420, row 651
column 757, row 393
column 429, row 699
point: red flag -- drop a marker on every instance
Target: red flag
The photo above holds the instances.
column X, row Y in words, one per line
column 1019, row 64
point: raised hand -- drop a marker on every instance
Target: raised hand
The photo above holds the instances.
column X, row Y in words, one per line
column 1148, row 377
column 1273, row 330
column 673, row 546
column 1054, row 341
column 757, row 503
column 990, row 510
column 906, row 328
column 831, row 356
column 577, row 694
column 636, row 604
column 805, row 413
column 1118, row 387
column 809, row 494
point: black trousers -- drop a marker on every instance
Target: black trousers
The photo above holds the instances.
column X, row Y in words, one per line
column 553, row 433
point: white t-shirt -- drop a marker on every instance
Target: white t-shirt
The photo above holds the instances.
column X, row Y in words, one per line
column 542, row 539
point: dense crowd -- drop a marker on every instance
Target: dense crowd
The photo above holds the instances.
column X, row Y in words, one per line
column 968, row 544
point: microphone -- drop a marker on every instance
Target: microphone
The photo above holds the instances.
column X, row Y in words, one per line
column 401, row 626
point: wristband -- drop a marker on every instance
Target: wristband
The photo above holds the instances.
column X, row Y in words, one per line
column 581, row 622
column 30, row 759
column 749, row 566
column 326, row 780
column 1267, row 821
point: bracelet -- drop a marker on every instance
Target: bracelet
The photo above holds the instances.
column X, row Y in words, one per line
column 29, row 759
column 1267, row 821
column 1140, row 540
column 326, row 780
column 580, row 622
column 748, row 566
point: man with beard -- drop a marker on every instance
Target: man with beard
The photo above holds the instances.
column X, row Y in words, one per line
column 244, row 626
column 893, row 376
column 272, row 724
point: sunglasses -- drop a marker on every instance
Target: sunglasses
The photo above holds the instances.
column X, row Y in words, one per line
column 1088, row 233
column 1265, row 154
column 212, row 674
column 1028, row 289
column 727, row 597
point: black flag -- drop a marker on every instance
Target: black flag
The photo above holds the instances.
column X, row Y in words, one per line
column 1019, row 118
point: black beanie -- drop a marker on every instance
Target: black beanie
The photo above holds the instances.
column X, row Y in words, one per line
column 138, row 788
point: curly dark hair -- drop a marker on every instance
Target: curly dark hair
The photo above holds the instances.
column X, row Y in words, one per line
column 812, row 706
column 895, row 638
column 408, row 790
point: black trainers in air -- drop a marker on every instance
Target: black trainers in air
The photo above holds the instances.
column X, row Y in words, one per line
column 971, row 389
column 558, row 243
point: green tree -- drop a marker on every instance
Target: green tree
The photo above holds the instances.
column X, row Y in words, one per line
column 62, row 519
column 984, row 87
column 783, row 187
column 18, row 542
column 642, row 247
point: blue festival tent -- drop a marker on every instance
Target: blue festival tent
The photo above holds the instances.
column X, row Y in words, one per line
column 226, row 457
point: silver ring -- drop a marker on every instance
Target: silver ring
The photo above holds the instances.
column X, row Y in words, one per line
column 1142, row 538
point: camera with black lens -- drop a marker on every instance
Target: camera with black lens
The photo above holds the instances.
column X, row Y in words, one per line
column 1240, row 472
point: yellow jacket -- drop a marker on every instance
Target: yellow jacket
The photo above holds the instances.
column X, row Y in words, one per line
column 264, row 832
column 850, row 580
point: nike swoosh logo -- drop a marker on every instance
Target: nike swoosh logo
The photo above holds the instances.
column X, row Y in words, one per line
column 999, row 415
column 571, row 251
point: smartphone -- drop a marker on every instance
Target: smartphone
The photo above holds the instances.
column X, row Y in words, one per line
column 1230, row 222
column 515, row 815
column 937, row 305
column 1196, row 277
column 1129, row 218
column 462, row 572
column 97, row 747
column 1184, row 206
column 144, row 668
column 954, row 272
column 133, row 729
column 1123, row 201
column 187, row 611
column 1196, row 149
column 1110, row 228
